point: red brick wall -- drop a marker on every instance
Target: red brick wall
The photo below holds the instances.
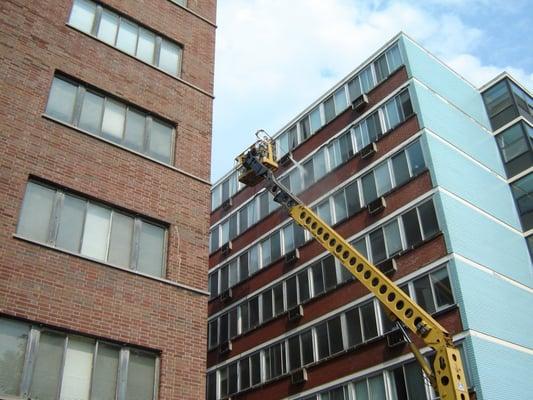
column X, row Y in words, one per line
column 65, row 291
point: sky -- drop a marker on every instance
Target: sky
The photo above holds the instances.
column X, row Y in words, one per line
column 275, row 57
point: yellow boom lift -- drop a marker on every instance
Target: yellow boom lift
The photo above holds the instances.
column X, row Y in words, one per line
column 447, row 377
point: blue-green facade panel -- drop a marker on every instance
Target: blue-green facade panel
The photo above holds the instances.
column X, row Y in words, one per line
column 483, row 240
column 498, row 372
column 491, row 304
column 457, row 173
column 457, row 128
column 439, row 78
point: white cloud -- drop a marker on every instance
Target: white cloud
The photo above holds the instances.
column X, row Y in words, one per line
column 274, row 57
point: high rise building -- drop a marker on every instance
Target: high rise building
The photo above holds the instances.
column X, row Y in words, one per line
column 104, row 196
column 426, row 175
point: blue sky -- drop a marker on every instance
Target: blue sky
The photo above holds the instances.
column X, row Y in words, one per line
column 275, row 57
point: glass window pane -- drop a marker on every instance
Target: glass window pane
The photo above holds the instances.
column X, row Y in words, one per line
column 346, row 146
column 292, row 292
column 134, row 133
column 400, row 168
column 324, row 212
column 430, row 225
column 212, row 386
column 82, row 15
column 265, row 253
column 244, row 374
column 319, row 164
column 223, row 379
column 335, row 335
column 353, row 326
column 245, row 322
column 318, row 282
column 367, row 80
column 322, row 340
column 306, row 341
column 305, row 128
column 36, row 212
column 416, row 158
column 107, row 31
column 352, row 198
column 360, row 246
column 361, row 390
column 253, row 259
column 415, row 381
column 95, row 232
column 383, row 180
column 113, row 121
column 340, row 100
column 316, row 122
column 71, row 223
column 329, row 109
column 127, row 37
column 394, row 58
column 141, row 377
column 442, row 288
column 151, row 249
column 61, row 100
column 369, row 187
column 411, row 227
column 278, row 299
column 232, row 378
column 339, row 202
column 169, row 57
column 45, row 380
column 146, row 46
column 392, row 238
column 13, row 340
column 294, row 353
column 213, row 333
column 330, row 272
column 377, row 244
column 423, row 294
column 121, row 240
column 255, row 364
column 377, row 388
column 303, row 286
column 91, row 112
column 161, row 141
column 382, row 70
column 233, row 272
column 254, row 311
column 354, row 87
column 275, row 246
column 288, row 239
column 368, row 317
column 405, row 101
column 266, row 299
column 76, row 381
column 393, row 117
column 243, row 266
column 374, row 127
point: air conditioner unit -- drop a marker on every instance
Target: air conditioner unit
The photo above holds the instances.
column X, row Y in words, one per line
column 369, row 150
column 227, row 204
column 226, row 248
column 395, row 338
column 285, row 160
column 299, row 376
column 225, row 347
column 388, row 267
column 226, row 296
column 296, row 313
column 376, row 206
column 291, row 257
column 360, row 102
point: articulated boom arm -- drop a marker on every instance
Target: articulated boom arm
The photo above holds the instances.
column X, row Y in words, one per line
column 447, row 375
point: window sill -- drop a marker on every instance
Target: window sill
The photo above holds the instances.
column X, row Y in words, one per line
column 106, row 264
column 179, row 79
column 118, row 145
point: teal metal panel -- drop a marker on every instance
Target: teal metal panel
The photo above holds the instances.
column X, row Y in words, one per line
column 492, row 305
column 479, row 238
column 441, row 79
column 456, row 128
column 499, row 372
column 454, row 171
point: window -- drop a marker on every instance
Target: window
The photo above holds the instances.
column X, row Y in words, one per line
column 315, row 120
column 382, row 69
column 340, row 100
column 433, row 292
column 103, row 116
column 72, row 223
column 70, row 366
column 329, row 109
column 367, row 80
column 516, row 146
column 500, row 105
column 126, row 36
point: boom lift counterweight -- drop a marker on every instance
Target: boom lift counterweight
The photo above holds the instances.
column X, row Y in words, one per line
column 447, row 377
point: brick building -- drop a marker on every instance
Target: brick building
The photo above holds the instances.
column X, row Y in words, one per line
column 104, row 190
column 404, row 158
